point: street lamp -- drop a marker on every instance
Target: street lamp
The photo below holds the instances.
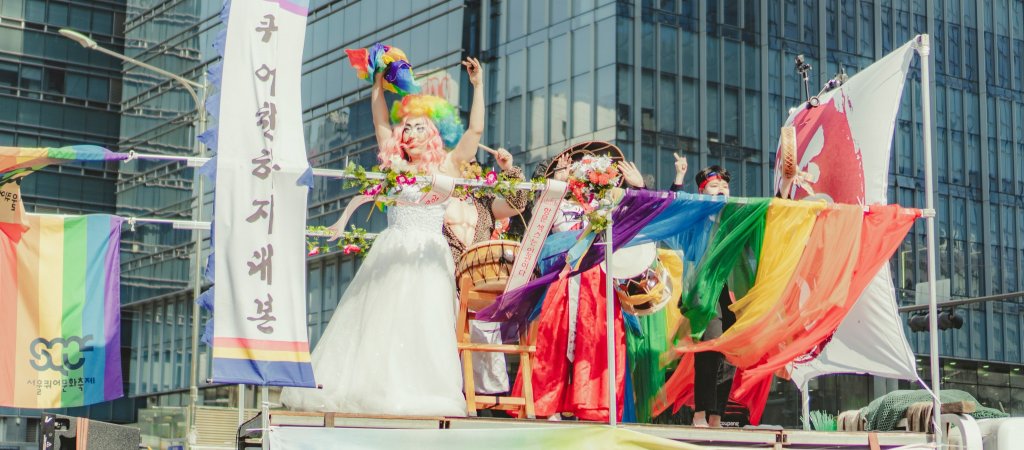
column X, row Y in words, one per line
column 189, row 86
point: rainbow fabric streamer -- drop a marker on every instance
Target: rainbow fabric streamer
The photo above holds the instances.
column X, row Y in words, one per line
column 60, row 307
column 16, row 162
column 398, row 76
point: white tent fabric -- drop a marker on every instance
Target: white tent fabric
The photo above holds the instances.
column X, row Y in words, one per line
column 870, row 340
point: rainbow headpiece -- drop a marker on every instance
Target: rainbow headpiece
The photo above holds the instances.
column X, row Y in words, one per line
column 437, row 109
column 398, row 77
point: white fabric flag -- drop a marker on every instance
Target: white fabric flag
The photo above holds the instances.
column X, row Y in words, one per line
column 260, row 327
column 843, row 148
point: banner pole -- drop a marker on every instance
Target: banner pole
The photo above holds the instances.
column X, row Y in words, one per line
column 924, row 50
column 610, row 323
column 265, row 415
column 805, row 404
column 241, row 404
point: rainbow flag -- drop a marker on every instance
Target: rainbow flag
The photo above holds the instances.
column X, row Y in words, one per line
column 18, row 162
column 60, row 312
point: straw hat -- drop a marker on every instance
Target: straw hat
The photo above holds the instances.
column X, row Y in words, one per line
column 576, row 152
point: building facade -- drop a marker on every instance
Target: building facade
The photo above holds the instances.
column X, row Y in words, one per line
column 54, row 93
column 710, row 79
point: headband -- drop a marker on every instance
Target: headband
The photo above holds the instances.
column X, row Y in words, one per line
column 711, row 176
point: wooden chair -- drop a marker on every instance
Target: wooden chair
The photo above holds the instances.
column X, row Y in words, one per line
column 525, row 349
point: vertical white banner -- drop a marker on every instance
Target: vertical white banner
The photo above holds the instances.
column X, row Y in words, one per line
column 260, row 327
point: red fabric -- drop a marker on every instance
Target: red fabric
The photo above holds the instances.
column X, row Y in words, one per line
column 883, row 229
column 579, row 388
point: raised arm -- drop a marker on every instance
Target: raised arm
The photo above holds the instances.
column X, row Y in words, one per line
column 379, row 108
column 465, row 150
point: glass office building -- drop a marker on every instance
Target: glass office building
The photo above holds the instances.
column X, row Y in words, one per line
column 710, row 79
column 54, row 93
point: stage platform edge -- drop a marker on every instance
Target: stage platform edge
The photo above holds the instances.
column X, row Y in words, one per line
column 249, row 435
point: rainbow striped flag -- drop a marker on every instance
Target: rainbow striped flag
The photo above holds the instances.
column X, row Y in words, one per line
column 60, row 313
column 18, row 162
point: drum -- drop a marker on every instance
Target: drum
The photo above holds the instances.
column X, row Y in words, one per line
column 488, row 265
column 642, row 283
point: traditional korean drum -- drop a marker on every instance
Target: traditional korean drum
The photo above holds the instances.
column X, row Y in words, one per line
column 488, row 265
column 642, row 283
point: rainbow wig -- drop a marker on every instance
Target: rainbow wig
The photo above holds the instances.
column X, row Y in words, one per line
column 443, row 115
column 394, row 149
column 398, row 76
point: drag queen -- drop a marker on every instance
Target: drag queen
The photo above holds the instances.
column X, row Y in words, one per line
column 390, row 347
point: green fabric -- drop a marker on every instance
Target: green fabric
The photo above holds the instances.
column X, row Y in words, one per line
column 886, row 411
column 644, row 353
column 731, row 257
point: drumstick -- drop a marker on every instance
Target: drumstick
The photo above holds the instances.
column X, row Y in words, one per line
column 488, row 149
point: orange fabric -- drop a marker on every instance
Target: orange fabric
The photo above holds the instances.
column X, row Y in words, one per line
column 578, row 387
column 820, row 281
column 883, row 229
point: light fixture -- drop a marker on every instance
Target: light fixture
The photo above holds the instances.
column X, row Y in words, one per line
column 81, row 39
column 952, row 363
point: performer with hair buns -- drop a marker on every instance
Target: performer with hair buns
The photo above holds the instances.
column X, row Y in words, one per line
column 569, row 378
column 390, row 347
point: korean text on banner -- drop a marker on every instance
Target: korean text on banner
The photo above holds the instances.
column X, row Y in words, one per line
column 260, row 329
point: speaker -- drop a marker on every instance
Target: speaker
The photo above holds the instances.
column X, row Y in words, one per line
column 58, row 432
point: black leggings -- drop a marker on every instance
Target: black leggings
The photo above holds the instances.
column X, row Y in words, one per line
column 712, row 374
column 712, row 381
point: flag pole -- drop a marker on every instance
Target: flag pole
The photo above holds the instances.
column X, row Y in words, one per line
column 924, row 50
column 610, row 322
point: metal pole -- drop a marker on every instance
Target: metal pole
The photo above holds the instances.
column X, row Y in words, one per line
column 923, row 49
column 197, row 241
column 265, row 409
column 610, row 323
column 241, row 404
column 805, row 404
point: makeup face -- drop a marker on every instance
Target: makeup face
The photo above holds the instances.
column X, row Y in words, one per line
column 717, row 186
column 415, row 134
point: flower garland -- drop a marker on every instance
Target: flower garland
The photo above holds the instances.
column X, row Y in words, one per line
column 396, row 177
column 591, row 180
column 400, row 175
column 355, row 241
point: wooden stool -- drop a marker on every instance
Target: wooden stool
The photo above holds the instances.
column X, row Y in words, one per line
column 526, row 348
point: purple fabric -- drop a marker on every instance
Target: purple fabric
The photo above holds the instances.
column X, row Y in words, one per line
column 113, row 386
column 636, row 210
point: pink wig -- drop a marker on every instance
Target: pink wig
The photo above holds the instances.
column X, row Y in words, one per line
column 429, row 159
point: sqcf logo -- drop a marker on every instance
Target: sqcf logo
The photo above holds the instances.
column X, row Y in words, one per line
column 59, row 354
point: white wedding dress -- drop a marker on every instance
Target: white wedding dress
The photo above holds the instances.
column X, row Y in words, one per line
column 390, row 347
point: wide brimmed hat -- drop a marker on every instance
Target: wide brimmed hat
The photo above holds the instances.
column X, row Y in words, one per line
column 576, row 152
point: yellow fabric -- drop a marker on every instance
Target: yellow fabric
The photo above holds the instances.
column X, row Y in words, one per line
column 674, row 264
column 788, row 225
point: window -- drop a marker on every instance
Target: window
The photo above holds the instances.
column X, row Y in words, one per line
column 667, row 104
column 76, row 85
column 582, row 50
column 583, row 104
column 536, row 119
column 559, row 112
column 559, row 55
column 8, row 74
column 514, row 124
column 668, row 37
column 606, row 97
